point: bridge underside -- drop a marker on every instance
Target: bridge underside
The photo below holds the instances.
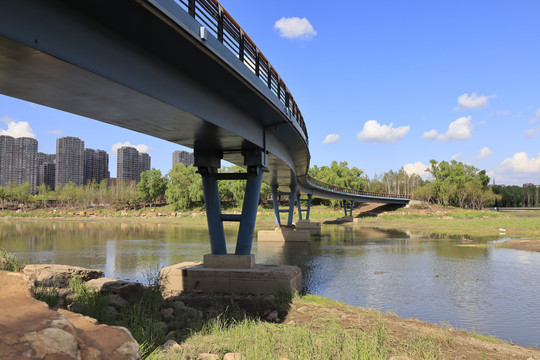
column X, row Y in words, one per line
column 120, row 63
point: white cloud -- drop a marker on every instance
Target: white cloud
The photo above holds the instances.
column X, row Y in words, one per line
column 17, row 129
column 474, row 101
column 485, row 152
column 518, row 165
column 56, row 132
column 140, row 148
column 461, row 129
column 417, row 168
column 331, row 139
column 531, row 133
column 294, row 27
column 456, row 156
column 537, row 113
column 374, row 132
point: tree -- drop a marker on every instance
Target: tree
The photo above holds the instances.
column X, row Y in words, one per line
column 3, row 197
column 152, row 186
column 184, row 187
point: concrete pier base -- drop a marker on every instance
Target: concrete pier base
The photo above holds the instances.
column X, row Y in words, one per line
column 357, row 220
column 284, row 233
column 314, row 228
column 346, row 219
column 230, row 274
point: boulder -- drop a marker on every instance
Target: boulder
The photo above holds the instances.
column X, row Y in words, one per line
column 36, row 331
column 58, row 275
column 125, row 289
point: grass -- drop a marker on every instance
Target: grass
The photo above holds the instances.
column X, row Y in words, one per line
column 11, row 262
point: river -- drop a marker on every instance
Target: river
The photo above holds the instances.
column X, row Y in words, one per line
column 468, row 285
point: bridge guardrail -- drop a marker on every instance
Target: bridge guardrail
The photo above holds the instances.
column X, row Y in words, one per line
column 327, row 186
column 222, row 25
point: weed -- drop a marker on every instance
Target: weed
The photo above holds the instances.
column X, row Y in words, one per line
column 11, row 262
column 48, row 295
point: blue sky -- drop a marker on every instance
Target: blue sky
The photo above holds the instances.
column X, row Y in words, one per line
column 386, row 83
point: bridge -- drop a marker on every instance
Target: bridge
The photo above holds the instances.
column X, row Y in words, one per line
column 183, row 71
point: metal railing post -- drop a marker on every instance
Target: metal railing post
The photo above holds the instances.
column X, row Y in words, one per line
column 220, row 24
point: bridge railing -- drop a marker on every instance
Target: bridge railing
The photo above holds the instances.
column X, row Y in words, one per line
column 336, row 188
column 222, row 25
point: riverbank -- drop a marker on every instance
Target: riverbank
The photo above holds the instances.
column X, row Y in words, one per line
column 212, row 326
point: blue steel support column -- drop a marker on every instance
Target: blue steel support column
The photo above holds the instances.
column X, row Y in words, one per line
column 308, row 205
column 213, row 210
column 344, row 207
column 352, row 206
column 274, row 190
column 299, row 207
column 249, row 210
column 291, row 204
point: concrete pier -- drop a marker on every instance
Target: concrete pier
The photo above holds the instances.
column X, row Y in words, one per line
column 284, row 233
column 230, row 274
column 314, row 228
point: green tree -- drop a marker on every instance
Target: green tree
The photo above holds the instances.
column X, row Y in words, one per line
column 152, row 186
column 184, row 187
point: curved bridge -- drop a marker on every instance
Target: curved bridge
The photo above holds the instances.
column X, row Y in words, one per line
column 183, row 71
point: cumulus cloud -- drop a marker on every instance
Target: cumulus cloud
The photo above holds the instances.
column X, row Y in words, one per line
column 518, row 169
column 331, row 139
column 461, row 129
column 473, row 101
column 417, row 168
column 484, row 153
column 456, row 156
column 374, row 132
column 56, row 132
column 295, row 27
column 140, row 148
column 17, row 129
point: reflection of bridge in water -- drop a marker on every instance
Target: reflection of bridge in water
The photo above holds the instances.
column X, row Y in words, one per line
column 183, row 71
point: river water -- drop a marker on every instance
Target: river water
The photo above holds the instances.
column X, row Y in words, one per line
column 433, row 277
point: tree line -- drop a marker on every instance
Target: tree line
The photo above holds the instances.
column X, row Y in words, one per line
column 451, row 184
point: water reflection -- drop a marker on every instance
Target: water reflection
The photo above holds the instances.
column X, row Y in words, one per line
column 437, row 278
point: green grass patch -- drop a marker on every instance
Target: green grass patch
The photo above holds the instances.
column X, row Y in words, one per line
column 11, row 262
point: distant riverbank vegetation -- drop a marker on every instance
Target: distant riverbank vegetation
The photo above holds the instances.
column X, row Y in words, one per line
column 449, row 184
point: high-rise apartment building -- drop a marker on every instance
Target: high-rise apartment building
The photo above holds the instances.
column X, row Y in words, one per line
column 131, row 163
column 96, row 165
column 183, row 157
column 46, row 169
column 7, row 144
column 69, row 161
column 18, row 161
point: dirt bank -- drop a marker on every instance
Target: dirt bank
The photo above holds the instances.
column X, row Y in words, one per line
column 522, row 244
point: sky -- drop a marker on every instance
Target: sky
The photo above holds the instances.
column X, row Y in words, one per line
column 381, row 85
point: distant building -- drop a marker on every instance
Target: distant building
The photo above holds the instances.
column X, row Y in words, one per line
column 144, row 162
column 69, row 161
column 18, row 159
column 183, row 157
column 46, row 169
column 131, row 164
column 96, row 165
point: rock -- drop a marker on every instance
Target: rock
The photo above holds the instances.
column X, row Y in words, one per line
column 272, row 316
column 52, row 342
column 64, row 292
column 117, row 302
column 126, row 289
column 166, row 314
column 266, row 312
column 77, row 307
column 234, row 356
column 208, row 356
column 111, row 310
column 90, row 353
column 161, row 326
column 58, row 275
column 179, row 306
column 170, row 344
column 35, row 331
